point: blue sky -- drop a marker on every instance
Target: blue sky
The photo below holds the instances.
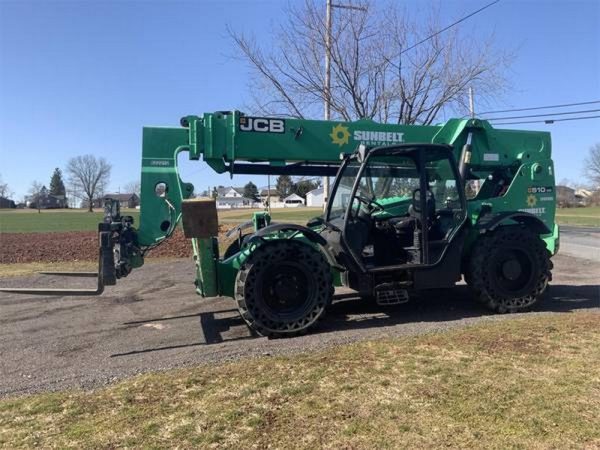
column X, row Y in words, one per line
column 83, row 77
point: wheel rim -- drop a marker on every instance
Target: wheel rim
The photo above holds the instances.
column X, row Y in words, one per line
column 287, row 290
column 513, row 270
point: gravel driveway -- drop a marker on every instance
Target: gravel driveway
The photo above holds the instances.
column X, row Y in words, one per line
column 153, row 321
column 580, row 241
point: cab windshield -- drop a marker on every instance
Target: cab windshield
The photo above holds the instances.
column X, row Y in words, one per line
column 391, row 180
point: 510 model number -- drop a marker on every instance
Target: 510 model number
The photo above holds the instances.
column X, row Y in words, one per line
column 539, row 190
column 262, row 124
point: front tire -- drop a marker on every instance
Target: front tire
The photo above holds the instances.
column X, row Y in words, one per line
column 283, row 288
column 235, row 246
column 509, row 269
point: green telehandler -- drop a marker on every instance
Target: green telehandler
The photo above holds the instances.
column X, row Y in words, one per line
column 411, row 208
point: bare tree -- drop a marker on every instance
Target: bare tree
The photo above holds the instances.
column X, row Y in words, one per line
column 371, row 75
column 35, row 188
column 88, row 177
column 572, row 184
column 35, row 191
column 133, row 187
column 4, row 189
column 592, row 166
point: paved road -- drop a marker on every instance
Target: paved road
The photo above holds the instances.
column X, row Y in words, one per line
column 583, row 242
column 153, row 320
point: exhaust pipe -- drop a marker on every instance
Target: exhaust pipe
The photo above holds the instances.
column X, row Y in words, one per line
column 465, row 158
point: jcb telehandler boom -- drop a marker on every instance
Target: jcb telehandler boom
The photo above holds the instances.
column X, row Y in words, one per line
column 411, row 208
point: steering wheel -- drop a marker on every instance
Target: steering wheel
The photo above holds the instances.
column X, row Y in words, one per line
column 370, row 203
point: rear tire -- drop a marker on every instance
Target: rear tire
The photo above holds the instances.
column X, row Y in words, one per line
column 283, row 288
column 509, row 269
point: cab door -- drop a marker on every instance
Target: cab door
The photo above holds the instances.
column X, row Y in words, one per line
column 405, row 207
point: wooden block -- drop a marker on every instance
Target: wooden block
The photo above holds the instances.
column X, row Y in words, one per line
column 200, row 218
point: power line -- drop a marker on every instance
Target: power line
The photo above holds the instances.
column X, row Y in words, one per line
column 448, row 27
column 541, row 107
column 545, row 115
column 548, row 121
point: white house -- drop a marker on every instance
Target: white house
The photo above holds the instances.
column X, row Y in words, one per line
column 293, row 201
column 315, row 197
column 269, row 196
column 232, row 197
column 583, row 196
column 230, row 192
column 235, row 202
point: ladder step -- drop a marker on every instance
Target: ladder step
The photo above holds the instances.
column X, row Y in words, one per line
column 390, row 294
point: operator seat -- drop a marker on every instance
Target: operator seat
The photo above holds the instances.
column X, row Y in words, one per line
column 406, row 226
column 409, row 221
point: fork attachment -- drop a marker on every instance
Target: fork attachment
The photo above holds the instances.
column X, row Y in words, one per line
column 118, row 254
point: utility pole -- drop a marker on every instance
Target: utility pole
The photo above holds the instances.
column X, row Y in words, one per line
column 269, row 193
column 327, row 86
column 471, row 103
column 475, row 183
column 328, row 20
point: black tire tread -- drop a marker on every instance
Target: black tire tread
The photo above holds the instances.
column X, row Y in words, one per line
column 477, row 275
column 249, row 275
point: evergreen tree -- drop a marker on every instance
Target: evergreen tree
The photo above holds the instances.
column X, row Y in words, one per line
column 251, row 191
column 284, row 186
column 303, row 187
column 57, row 186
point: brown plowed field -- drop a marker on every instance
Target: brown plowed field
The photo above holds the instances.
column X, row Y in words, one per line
column 77, row 246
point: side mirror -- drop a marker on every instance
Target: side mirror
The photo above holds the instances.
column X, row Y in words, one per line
column 315, row 222
column 361, row 153
column 416, row 200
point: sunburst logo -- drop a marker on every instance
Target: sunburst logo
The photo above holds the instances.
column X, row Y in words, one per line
column 340, row 135
column 531, row 200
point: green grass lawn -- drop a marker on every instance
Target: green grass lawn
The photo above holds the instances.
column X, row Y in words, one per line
column 589, row 216
column 519, row 383
column 29, row 221
column 297, row 215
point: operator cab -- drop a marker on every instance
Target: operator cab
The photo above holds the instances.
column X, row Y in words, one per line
column 395, row 207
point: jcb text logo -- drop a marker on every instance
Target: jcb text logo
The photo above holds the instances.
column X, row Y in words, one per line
column 262, row 125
